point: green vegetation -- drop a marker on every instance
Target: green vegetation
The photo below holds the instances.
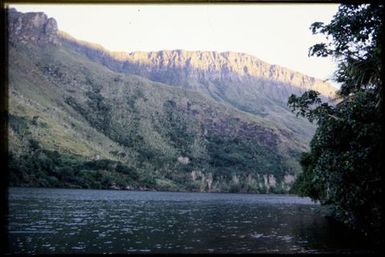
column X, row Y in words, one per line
column 51, row 169
column 343, row 168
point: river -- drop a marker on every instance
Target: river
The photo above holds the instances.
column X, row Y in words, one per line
column 51, row 221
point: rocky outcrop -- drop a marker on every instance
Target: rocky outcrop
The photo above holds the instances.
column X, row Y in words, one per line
column 33, row 27
column 183, row 160
column 204, row 65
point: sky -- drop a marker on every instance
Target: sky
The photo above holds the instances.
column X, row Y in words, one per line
column 275, row 33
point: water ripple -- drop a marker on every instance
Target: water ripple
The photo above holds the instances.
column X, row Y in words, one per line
column 90, row 221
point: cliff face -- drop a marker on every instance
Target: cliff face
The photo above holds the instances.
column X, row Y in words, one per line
column 32, row 27
column 195, row 69
column 229, row 66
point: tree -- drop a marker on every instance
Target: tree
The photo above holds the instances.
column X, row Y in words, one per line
column 344, row 165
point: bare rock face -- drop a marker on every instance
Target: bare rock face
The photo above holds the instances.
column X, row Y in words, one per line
column 205, row 70
column 229, row 66
column 183, row 160
column 31, row 27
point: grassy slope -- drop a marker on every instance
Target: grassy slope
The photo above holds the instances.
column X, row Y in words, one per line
column 78, row 109
column 260, row 97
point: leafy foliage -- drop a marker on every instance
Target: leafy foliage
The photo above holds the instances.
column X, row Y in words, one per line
column 355, row 34
column 343, row 168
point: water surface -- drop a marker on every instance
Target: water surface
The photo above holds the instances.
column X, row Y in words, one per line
column 104, row 221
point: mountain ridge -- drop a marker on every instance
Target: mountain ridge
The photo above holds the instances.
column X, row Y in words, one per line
column 242, row 64
column 195, row 65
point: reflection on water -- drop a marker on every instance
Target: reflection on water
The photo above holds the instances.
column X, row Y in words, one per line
column 103, row 221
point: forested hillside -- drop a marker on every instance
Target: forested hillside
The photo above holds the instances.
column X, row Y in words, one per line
column 76, row 120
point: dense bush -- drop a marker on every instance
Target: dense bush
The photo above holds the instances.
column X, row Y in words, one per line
column 228, row 155
column 345, row 164
column 51, row 169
